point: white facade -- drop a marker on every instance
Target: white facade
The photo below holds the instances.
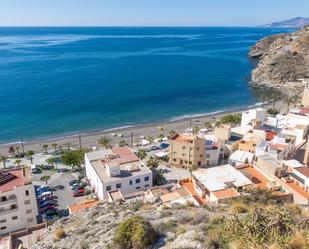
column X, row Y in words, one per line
column 131, row 177
column 240, row 157
column 18, row 208
column 248, row 116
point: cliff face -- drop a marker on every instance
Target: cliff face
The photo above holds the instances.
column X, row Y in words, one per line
column 283, row 60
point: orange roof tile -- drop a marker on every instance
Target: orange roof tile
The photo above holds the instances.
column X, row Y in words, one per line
column 226, row 193
column 298, row 189
column 190, row 187
column 83, row 205
column 184, row 138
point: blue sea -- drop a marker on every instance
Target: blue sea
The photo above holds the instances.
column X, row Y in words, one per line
column 61, row 81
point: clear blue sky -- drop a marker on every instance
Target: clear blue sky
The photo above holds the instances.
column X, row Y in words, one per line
column 148, row 12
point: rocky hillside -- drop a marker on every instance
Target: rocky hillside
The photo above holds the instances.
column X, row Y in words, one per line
column 297, row 22
column 241, row 225
column 283, row 59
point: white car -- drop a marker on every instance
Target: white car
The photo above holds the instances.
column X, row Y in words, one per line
column 120, row 135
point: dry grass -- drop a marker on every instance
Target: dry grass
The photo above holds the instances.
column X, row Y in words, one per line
column 59, row 233
column 294, row 209
column 146, row 207
column 239, row 207
column 180, row 230
column 299, row 241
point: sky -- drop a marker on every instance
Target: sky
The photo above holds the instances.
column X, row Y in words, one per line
column 148, row 12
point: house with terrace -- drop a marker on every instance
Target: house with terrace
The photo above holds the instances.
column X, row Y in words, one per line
column 116, row 169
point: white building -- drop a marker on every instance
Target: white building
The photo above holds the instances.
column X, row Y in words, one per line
column 116, row 169
column 213, row 150
column 18, row 205
column 301, row 176
column 254, row 114
column 239, row 157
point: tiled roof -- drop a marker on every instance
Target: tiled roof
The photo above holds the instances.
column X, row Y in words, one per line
column 190, row 187
column 18, row 179
column 184, row 138
column 83, row 205
column 303, row 170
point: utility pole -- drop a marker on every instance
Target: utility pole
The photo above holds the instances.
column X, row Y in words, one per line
column 131, row 139
column 22, row 146
column 80, row 141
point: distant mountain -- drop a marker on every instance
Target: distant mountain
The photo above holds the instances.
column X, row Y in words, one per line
column 297, row 22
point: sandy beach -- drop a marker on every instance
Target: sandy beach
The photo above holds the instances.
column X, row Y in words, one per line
column 153, row 129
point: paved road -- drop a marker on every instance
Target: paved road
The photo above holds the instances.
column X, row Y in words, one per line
column 64, row 194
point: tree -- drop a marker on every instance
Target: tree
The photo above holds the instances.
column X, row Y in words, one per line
column 288, row 100
column 195, row 129
column 74, row 158
column 208, row 125
column 17, row 148
column 171, row 133
column 55, row 146
column 160, row 137
column 45, row 147
column 273, row 112
column 233, row 119
column 51, row 161
column 3, row 160
column 153, row 162
column 264, row 99
column 141, row 154
column 11, row 150
column 45, row 179
column 134, row 233
column 104, row 142
column 17, row 161
column 68, row 144
column 150, row 139
column 122, row 143
column 30, row 154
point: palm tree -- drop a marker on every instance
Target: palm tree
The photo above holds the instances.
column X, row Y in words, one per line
column 45, row 146
column 288, row 100
column 17, row 161
column 55, row 146
column 45, row 179
column 195, row 129
column 68, row 144
column 141, row 154
column 11, row 150
column 17, row 148
column 30, row 154
column 152, row 163
column 150, row 139
column 160, row 137
column 3, row 160
column 171, row 132
column 208, row 125
column 51, row 161
column 264, row 99
column 104, row 142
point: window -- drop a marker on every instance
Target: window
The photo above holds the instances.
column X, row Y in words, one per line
column 14, row 217
column 186, row 162
column 2, row 228
column 3, row 198
column 118, row 185
column 137, row 180
column 207, row 155
column 174, row 159
column 183, row 147
column 28, row 211
column 198, row 148
column 131, row 182
column 183, row 154
column 137, row 187
column 30, row 220
column 27, row 202
column 146, row 178
column 14, row 206
column 147, row 185
column 2, row 221
column 108, row 188
column 201, row 156
column 199, row 163
column 27, row 192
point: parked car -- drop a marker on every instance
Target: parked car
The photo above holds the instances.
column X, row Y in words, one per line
column 79, row 193
column 154, row 147
column 36, row 171
column 48, row 203
column 46, row 208
column 73, row 182
column 164, row 145
column 74, row 185
column 47, row 198
column 44, row 194
column 47, row 167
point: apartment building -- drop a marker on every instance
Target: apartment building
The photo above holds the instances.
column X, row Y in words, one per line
column 116, row 169
column 253, row 117
column 18, row 205
column 187, row 151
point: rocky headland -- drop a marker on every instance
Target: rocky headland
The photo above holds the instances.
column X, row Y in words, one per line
column 283, row 60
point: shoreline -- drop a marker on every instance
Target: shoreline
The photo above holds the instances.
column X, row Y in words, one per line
column 89, row 139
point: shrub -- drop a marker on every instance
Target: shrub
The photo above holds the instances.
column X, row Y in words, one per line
column 180, row 230
column 294, row 208
column 134, row 233
column 299, row 241
column 239, row 207
column 272, row 111
column 59, row 233
column 233, row 119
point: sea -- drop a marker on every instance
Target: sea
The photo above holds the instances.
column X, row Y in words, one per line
column 58, row 81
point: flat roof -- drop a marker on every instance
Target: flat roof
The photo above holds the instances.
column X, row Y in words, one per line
column 184, row 138
column 180, row 193
column 226, row 193
column 219, row 177
column 270, row 159
column 241, row 156
column 292, row 163
column 130, row 165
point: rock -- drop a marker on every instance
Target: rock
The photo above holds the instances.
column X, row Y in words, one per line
column 283, row 59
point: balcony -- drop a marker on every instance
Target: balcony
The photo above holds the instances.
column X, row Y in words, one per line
column 10, row 199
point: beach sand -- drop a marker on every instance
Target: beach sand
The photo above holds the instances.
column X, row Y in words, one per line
column 153, row 129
